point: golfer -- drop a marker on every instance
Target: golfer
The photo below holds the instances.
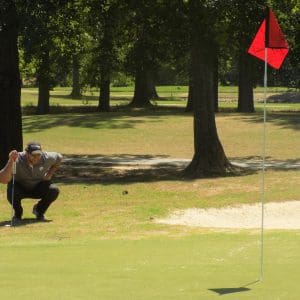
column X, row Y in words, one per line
column 34, row 170
column 5, row 173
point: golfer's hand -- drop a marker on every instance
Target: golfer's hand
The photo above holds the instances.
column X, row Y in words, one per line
column 13, row 155
column 51, row 171
column 48, row 176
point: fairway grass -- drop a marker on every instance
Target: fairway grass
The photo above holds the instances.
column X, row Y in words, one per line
column 162, row 133
column 202, row 266
column 169, row 96
column 102, row 242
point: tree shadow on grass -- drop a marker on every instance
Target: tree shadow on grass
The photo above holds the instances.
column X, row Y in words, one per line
column 119, row 175
column 87, row 117
column 124, row 116
column 126, row 169
column 287, row 120
column 287, row 97
column 255, row 162
column 92, row 121
column 129, row 168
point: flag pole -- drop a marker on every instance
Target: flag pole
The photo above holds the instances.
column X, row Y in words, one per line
column 268, row 36
column 263, row 166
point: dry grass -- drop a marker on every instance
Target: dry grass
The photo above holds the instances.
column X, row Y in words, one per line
column 168, row 133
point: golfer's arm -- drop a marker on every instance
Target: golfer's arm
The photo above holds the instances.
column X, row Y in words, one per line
column 6, row 172
column 55, row 167
column 52, row 170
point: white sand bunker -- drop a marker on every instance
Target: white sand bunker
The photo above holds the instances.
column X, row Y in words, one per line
column 277, row 215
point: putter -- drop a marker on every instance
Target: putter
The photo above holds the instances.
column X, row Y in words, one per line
column 14, row 171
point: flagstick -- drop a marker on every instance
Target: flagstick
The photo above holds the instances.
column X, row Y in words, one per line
column 263, row 167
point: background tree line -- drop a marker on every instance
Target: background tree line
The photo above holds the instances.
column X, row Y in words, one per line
column 95, row 42
column 98, row 43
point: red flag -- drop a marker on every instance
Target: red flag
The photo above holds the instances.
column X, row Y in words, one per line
column 270, row 36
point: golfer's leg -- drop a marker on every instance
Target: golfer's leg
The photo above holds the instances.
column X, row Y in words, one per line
column 48, row 192
column 19, row 194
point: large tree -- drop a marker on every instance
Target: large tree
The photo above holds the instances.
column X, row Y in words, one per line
column 209, row 157
column 179, row 38
column 105, row 21
column 77, row 43
column 76, row 87
column 108, row 56
column 245, row 18
column 148, row 47
column 288, row 15
column 45, row 37
column 10, row 113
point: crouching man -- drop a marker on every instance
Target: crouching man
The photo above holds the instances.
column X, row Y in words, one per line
column 34, row 170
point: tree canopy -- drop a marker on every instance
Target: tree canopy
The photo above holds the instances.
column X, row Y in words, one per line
column 200, row 42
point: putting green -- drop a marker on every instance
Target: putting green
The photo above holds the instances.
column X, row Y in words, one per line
column 202, row 266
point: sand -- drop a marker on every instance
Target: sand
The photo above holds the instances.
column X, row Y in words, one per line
column 277, row 215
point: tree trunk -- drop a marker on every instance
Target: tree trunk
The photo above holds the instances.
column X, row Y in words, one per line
column 10, row 83
column 209, row 157
column 245, row 97
column 44, row 85
column 152, row 93
column 141, row 96
column 216, row 84
column 104, row 93
column 107, row 58
column 44, row 96
column 189, row 106
column 76, row 93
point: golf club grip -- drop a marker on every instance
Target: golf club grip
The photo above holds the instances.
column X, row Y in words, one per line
column 14, row 168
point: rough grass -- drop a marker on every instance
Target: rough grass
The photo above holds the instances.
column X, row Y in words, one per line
column 100, row 209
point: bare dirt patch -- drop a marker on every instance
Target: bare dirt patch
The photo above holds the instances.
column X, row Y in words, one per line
column 277, row 215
